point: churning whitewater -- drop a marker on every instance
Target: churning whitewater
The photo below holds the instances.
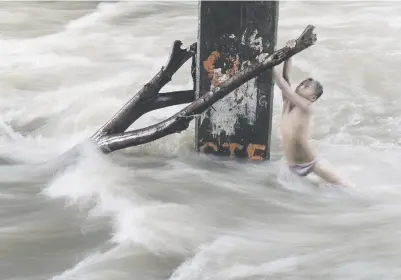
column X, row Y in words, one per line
column 160, row 211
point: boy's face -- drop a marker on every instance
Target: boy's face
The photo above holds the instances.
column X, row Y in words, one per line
column 307, row 89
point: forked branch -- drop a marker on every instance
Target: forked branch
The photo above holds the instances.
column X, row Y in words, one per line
column 117, row 139
column 132, row 109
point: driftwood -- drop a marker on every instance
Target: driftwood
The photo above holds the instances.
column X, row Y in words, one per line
column 112, row 136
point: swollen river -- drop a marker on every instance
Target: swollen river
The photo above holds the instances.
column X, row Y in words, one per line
column 160, row 211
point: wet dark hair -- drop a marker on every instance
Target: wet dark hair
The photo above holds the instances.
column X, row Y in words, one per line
column 318, row 89
column 317, row 86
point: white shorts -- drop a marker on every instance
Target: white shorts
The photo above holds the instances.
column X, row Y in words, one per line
column 303, row 169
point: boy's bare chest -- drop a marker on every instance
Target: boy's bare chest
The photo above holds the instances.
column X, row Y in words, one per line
column 296, row 122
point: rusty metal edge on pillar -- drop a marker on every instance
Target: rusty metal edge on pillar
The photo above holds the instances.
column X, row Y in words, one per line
column 231, row 34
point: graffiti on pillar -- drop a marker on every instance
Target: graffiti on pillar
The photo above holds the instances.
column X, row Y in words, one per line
column 220, row 66
column 232, row 147
column 254, row 151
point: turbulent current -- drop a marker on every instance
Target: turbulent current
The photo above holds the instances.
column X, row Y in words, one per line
column 160, row 211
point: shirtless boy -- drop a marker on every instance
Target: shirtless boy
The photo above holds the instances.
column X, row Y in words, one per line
column 295, row 134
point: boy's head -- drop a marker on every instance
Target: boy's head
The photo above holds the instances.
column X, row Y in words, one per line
column 310, row 89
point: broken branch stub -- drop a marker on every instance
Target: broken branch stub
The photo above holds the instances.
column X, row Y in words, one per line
column 131, row 111
column 180, row 121
column 306, row 39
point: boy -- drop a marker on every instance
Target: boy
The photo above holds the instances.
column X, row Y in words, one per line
column 298, row 152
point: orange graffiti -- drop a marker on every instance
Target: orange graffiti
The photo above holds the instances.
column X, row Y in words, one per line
column 208, row 64
column 232, row 147
column 252, row 149
column 233, row 67
column 208, row 144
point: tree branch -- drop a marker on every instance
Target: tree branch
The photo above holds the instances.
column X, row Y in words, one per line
column 163, row 100
column 181, row 120
column 166, row 99
column 130, row 112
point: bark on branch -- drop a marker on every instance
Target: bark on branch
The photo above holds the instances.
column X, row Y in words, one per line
column 130, row 112
column 166, row 99
column 112, row 136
